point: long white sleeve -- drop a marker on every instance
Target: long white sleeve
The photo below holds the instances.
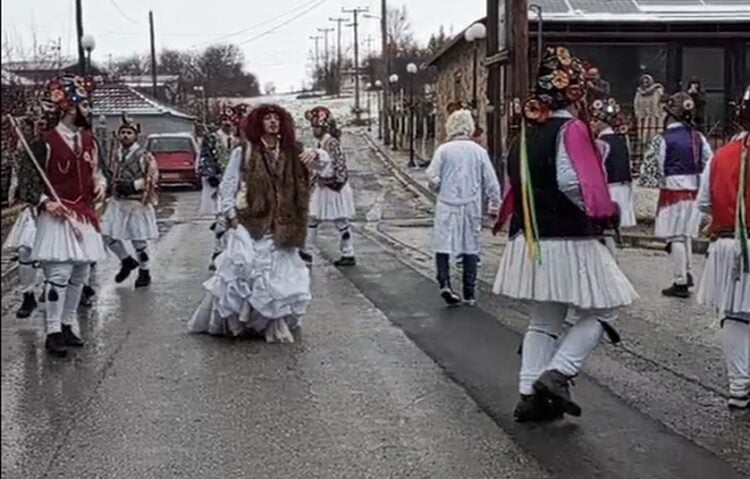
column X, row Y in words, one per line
column 433, row 171
column 704, row 192
column 490, row 185
column 230, row 184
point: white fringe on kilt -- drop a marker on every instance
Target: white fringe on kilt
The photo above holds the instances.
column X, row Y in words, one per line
column 719, row 287
column 128, row 220
column 209, row 199
column 622, row 194
column 680, row 219
column 578, row 272
column 23, row 232
column 56, row 241
column 329, row 205
column 258, row 289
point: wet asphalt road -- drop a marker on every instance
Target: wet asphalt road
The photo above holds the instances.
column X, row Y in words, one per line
column 384, row 382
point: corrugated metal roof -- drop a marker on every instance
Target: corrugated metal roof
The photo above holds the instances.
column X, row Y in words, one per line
column 115, row 99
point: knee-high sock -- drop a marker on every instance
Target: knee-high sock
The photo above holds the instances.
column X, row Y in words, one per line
column 679, row 261
column 312, row 235
column 27, row 271
column 580, row 341
column 78, row 278
column 57, row 276
column 346, row 245
column 141, row 253
column 688, row 256
column 117, row 247
column 735, row 337
column 539, row 343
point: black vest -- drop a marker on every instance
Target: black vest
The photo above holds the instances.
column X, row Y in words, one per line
column 617, row 162
column 557, row 216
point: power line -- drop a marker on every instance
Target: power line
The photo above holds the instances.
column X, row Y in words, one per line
column 273, row 29
column 117, row 7
column 265, row 22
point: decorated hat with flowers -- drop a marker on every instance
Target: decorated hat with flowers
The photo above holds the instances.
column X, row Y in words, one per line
column 559, row 83
column 319, row 116
column 67, row 91
column 680, row 106
column 609, row 112
column 129, row 124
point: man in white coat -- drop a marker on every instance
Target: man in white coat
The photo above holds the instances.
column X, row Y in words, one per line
column 463, row 177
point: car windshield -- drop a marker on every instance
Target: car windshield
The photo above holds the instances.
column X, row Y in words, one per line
column 167, row 144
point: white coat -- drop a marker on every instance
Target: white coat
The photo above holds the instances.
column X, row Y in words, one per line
column 465, row 180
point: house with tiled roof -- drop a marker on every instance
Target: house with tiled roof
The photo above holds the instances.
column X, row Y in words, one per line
column 673, row 40
column 112, row 100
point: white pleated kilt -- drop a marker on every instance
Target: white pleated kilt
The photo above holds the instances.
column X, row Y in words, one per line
column 577, row 272
column 128, row 220
column 329, row 205
column 719, row 287
column 56, row 241
column 682, row 219
column 257, row 289
column 622, row 194
column 209, row 204
column 23, row 232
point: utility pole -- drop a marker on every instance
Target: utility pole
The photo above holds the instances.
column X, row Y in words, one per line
column 317, row 39
column 355, row 12
column 153, row 55
column 386, row 68
column 325, row 32
column 338, row 21
column 79, row 33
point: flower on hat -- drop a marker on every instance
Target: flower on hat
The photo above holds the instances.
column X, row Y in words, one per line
column 64, row 104
column 79, row 82
column 535, row 110
column 597, row 105
column 688, row 104
column 89, row 84
column 563, row 56
column 56, row 95
column 545, row 82
column 560, row 79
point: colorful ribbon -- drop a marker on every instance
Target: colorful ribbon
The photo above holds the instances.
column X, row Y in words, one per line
column 530, row 228
column 740, row 224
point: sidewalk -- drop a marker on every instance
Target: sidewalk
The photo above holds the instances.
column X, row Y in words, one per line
column 640, row 236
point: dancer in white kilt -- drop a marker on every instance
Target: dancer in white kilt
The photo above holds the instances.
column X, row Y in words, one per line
column 559, row 204
column 131, row 212
column 725, row 286
column 261, row 285
column 674, row 161
column 25, row 188
column 462, row 175
column 68, row 239
column 331, row 198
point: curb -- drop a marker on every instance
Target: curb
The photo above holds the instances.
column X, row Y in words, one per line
column 700, row 246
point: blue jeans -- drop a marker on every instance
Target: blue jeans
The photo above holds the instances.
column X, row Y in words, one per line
column 442, row 261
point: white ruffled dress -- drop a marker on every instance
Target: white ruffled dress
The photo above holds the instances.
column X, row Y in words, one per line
column 128, row 220
column 258, row 289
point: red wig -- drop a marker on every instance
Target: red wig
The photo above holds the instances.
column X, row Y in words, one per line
column 253, row 126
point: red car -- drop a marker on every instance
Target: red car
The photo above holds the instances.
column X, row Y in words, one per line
column 176, row 155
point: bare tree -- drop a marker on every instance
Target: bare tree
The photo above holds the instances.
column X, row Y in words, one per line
column 400, row 34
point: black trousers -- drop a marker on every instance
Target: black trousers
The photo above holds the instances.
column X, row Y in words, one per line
column 442, row 261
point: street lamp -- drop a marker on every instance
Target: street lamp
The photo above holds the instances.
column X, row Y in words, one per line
column 379, row 88
column 368, row 88
column 202, row 91
column 88, row 43
column 393, row 80
column 412, row 70
column 474, row 34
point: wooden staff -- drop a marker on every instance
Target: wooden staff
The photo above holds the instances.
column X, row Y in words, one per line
column 68, row 214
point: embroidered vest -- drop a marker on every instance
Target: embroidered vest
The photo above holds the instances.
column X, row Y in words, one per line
column 617, row 162
column 725, row 183
column 129, row 169
column 683, row 153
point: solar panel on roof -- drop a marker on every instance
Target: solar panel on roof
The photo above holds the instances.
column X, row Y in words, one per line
column 552, row 6
column 604, row 6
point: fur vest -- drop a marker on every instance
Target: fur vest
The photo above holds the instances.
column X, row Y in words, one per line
column 277, row 196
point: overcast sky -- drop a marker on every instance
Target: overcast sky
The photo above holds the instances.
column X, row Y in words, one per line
column 281, row 56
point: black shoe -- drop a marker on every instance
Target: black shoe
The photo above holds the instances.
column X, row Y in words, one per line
column 87, row 297
column 27, row 307
column 690, row 281
column 533, row 408
column 212, row 264
column 451, row 298
column 306, row 257
column 127, row 266
column 345, row 261
column 55, row 345
column 554, row 386
column 70, row 338
column 676, row 291
column 144, row 278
